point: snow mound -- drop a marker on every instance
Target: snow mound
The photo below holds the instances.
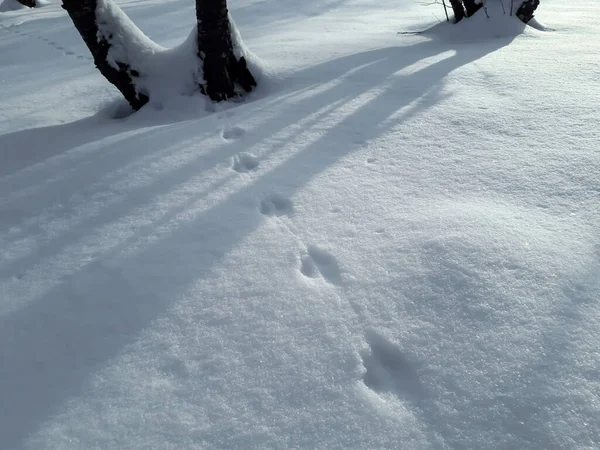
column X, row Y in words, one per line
column 257, row 67
column 489, row 23
column 533, row 23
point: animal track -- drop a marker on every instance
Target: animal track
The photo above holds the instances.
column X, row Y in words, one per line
column 62, row 49
column 388, row 369
column 320, row 262
column 50, row 43
column 276, row 205
column 233, row 133
column 244, row 162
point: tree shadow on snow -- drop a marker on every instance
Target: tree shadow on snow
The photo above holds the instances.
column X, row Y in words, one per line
column 60, row 338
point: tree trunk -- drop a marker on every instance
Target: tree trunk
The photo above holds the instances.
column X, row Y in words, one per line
column 222, row 70
column 83, row 15
column 29, row 3
column 471, row 7
column 224, row 74
column 526, row 10
column 457, row 9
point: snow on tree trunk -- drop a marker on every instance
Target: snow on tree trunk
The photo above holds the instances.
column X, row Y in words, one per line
column 118, row 72
column 223, row 71
column 458, row 10
column 129, row 59
column 29, row 3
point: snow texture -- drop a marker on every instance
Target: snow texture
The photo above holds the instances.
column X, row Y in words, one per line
column 392, row 243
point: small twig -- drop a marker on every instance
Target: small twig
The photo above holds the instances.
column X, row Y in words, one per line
column 511, row 6
column 437, row 2
column 503, row 9
column 483, row 2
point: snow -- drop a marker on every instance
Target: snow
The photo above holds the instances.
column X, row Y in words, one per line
column 128, row 44
column 391, row 243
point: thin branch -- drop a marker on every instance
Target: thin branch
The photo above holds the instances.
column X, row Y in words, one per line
column 503, row 9
column 485, row 11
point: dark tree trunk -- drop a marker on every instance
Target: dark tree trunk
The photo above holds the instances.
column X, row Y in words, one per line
column 471, row 7
column 29, row 3
column 223, row 72
column 526, row 10
column 457, row 9
column 83, row 15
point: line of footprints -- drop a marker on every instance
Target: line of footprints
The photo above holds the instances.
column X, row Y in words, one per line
column 315, row 262
column 56, row 46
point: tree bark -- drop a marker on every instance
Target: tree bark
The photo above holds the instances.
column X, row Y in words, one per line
column 223, row 72
column 471, row 7
column 526, row 10
column 29, row 3
column 83, row 15
column 457, row 9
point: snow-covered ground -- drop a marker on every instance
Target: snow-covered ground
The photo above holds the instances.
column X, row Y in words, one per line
column 392, row 243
